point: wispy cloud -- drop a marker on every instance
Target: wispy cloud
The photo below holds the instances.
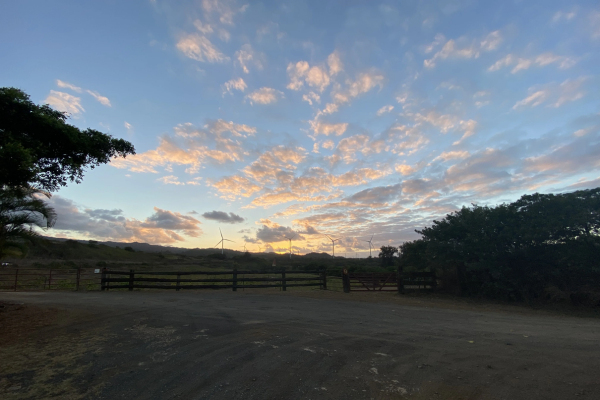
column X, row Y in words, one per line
column 101, row 99
column 65, row 102
column 264, row 95
column 385, row 110
column 556, row 95
column 199, row 48
column 473, row 49
column 541, row 60
column 67, row 85
column 234, row 84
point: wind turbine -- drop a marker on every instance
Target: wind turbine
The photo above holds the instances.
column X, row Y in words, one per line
column 223, row 241
column 332, row 243
column 290, row 239
column 370, row 241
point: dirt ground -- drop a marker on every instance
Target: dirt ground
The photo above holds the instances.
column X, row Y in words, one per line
column 294, row 345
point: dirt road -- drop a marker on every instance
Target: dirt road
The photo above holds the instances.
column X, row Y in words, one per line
column 225, row 345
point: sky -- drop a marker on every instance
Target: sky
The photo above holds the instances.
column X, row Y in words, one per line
column 353, row 119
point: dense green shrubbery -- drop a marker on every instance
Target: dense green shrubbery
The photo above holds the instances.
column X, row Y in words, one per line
column 516, row 251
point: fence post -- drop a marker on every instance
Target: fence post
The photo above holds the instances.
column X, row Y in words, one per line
column 346, row 280
column 178, row 282
column 283, row 283
column 16, row 278
column 131, row 275
column 234, row 284
column 103, row 280
column 77, row 280
column 50, row 280
column 324, row 279
column 400, row 281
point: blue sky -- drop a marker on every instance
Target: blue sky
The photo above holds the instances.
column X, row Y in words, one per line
column 345, row 118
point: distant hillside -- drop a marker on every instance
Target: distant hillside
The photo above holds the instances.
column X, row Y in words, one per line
column 149, row 248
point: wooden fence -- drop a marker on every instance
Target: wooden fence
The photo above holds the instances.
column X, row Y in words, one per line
column 211, row 280
column 387, row 281
column 23, row 279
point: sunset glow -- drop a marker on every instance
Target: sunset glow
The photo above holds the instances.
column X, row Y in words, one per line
column 350, row 119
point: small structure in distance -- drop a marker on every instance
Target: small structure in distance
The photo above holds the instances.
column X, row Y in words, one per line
column 223, row 241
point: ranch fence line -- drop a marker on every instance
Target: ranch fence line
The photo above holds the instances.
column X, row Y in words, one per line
column 387, row 281
column 190, row 280
column 29, row 278
column 24, row 279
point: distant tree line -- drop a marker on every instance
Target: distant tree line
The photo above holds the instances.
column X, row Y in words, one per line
column 539, row 245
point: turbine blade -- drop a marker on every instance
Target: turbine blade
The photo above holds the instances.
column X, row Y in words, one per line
column 218, row 243
column 221, row 233
column 227, row 240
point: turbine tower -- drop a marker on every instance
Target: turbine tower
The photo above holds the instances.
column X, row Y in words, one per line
column 370, row 241
column 223, row 241
column 332, row 243
column 290, row 239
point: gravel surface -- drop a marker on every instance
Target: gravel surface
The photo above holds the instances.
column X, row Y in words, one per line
column 320, row 345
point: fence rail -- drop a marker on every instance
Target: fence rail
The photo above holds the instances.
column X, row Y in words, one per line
column 228, row 280
column 387, row 281
column 23, row 279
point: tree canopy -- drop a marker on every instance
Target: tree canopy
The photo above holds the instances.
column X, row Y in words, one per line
column 515, row 250
column 39, row 148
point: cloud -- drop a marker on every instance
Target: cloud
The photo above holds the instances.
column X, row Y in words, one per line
column 324, row 128
column 310, row 97
column 335, row 64
column 128, row 126
column 452, row 50
column 224, row 217
column 218, row 141
column 439, row 39
column 246, row 56
column 199, row 48
column 469, row 128
column 302, row 73
column 384, row 110
column 452, row 155
column 273, row 232
column 525, row 63
column 234, row 84
column 236, row 186
column 162, row 227
column 563, row 15
column 264, row 95
column 363, row 83
column 567, row 91
column 66, row 85
column 404, row 169
column 64, row 102
column 101, row 99
column 170, row 180
column 379, row 194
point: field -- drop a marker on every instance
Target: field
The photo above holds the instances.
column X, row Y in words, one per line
column 295, row 345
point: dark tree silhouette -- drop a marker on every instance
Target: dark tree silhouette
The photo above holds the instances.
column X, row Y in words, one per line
column 39, row 149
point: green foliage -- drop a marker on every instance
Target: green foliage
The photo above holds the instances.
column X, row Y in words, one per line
column 20, row 210
column 129, row 248
column 217, row 256
column 387, row 255
column 38, row 148
column 515, row 251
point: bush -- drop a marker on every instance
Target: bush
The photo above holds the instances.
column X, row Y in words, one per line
column 129, row 248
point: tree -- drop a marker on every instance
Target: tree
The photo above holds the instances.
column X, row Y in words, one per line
column 20, row 210
column 39, row 148
column 387, row 255
column 517, row 250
